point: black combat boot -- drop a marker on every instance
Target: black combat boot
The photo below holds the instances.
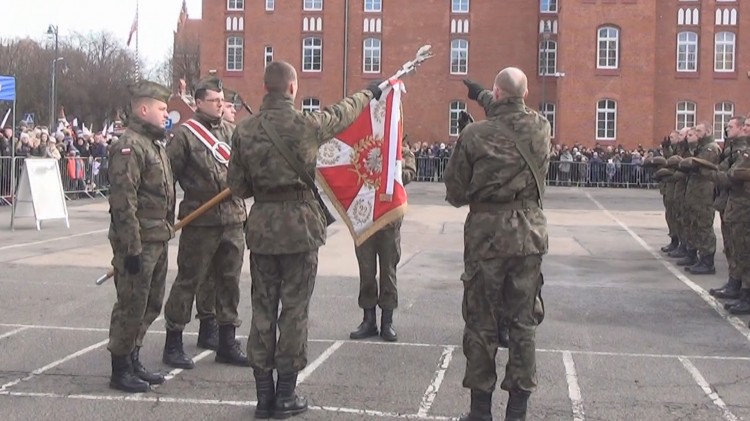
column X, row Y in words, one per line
column 705, row 266
column 387, row 331
column 481, row 407
column 123, row 377
column 140, row 371
column 691, row 258
column 679, row 252
column 515, row 410
column 229, row 348
column 174, row 354
column 502, row 335
column 730, row 290
column 208, row 334
column 368, row 327
column 743, row 305
column 671, row 246
column 287, row 402
column 264, row 389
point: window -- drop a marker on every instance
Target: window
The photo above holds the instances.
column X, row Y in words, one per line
column 548, row 111
column 723, row 112
column 456, row 108
column 606, row 120
column 371, row 56
column 312, row 5
column 548, row 6
column 311, row 104
column 268, row 56
column 607, row 56
column 687, row 51
column 459, row 57
column 373, row 6
column 270, row 5
column 235, row 4
column 724, row 52
column 460, row 6
column 312, row 54
column 234, row 53
column 685, row 115
column 547, row 57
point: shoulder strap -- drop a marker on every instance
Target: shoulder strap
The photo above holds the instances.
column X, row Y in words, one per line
column 276, row 139
column 525, row 152
column 220, row 150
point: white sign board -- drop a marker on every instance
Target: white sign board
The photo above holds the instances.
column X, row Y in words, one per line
column 40, row 192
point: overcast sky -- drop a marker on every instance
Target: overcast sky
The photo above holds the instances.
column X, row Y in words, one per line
column 157, row 20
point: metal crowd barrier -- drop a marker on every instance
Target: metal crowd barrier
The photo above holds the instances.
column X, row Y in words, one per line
column 576, row 174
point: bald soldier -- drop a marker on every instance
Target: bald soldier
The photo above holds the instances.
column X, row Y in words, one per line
column 141, row 204
column 498, row 169
column 274, row 153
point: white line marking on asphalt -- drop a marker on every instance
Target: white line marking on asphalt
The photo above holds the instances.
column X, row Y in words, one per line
column 432, row 390
column 172, row 374
column 574, row 390
column 13, row 332
column 707, row 389
column 304, row 374
column 711, row 301
column 50, row 240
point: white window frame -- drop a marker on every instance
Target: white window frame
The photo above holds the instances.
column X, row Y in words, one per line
column 235, row 46
column 453, row 113
column 312, row 5
column 270, row 5
column 373, row 6
column 547, row 53
column 459, row 48
column 548, row 6
column 604, row 40
column 690, row 54
column 235, row 5
column 310, row 104
column 267, row 55
column 725, row 51
column 723, row 112
column 460, row 6
column 686, row 110
column 372, row 52
column 549, row 110
column 312, row 48
column 603, row 107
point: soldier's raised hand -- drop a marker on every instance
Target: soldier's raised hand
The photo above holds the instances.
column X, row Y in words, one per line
column 374, row 87
column 474, row 89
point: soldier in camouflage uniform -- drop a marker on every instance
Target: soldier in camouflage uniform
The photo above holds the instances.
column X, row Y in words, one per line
column 684, row 252
column 699, row 200
column 498, row 169
column 285, row 227
column 213, row 241
column 666, row 188
column 141, row 204
column 384, row 246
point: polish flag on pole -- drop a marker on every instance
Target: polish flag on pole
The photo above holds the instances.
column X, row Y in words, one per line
column 360, row 169
column 133, row 29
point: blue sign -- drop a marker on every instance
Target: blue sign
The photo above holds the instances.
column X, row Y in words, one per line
column 7, row 88
column 168, row 126
column 28, row 118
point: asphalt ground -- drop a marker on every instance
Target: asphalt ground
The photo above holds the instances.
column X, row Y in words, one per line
column 627, row 335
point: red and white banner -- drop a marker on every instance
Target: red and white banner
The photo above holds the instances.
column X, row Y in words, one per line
column 360, row 169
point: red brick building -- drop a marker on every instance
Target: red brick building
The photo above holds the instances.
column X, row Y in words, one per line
column 606, row 71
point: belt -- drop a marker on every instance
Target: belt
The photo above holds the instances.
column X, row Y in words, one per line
column 285, row 196
column 202, row 195
column 151, row 213
column 493, row 207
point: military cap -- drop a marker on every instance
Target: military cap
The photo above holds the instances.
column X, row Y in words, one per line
column 148, row 89
column 211, row 83
column 659, row 161
column 231, row 96
column 663, row 173
column 673, row 161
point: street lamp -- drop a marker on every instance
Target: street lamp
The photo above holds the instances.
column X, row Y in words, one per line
column 544, row 55
column 52, row 30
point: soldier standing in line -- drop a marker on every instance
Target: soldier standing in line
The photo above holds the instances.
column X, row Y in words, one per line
column 273, row 160
column 141, row 204
column 214, row 240
column 498, row 168
column 666, row 188
column 683, row 251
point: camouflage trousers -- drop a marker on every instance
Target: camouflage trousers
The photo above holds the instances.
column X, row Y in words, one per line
column 700, row 230
column 726, row 234
column 741, row 250
column 288, row 279
column 669, row 215
column 139, row 297
column 384, row 247
column 213, row 253
column 205, row 296
column 501, row 290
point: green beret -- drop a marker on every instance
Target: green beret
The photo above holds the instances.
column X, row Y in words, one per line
column 211, row 83
column 231, row 96
column 148, row 89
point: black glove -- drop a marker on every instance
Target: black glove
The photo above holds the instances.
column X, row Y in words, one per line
column 133, row 264
column 464, row 118
column 374, row 87
column 665, row 143
column 474, row 89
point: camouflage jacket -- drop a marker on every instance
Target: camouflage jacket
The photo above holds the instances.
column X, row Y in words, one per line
column 257, row 168
column 141, row 199
column 201, row 176
column 732, row 155
column 700, row 185
column 738, row 202
column 725, row 162
column 486, row 167
column 680, row 178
